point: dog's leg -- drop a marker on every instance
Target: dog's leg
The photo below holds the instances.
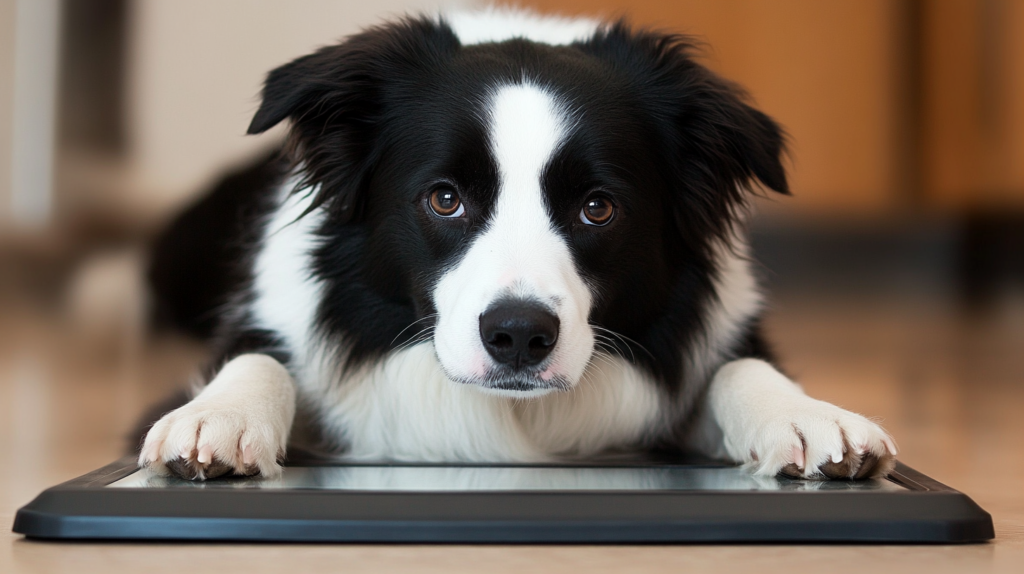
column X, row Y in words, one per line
column 239, row 422
column 761, row 418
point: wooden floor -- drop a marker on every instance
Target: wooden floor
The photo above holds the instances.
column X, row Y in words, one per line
column 948, row 384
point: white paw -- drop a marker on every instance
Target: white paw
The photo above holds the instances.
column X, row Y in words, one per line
column 807, row 438
column 240, row 423
column 206, row 439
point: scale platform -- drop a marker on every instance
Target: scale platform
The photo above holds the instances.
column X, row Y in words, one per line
column 598, row 502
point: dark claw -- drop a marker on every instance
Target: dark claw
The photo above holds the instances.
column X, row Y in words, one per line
column 845, row 468
column 792, row 471
column 867, row 466
column 189, row 469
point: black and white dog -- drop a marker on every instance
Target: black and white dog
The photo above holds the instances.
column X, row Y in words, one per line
column 494, row 237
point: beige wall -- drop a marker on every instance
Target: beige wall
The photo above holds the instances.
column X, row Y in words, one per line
column 31, row 39
column 195, row 73
column 6, row 107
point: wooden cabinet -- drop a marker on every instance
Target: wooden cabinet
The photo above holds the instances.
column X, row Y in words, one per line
column 972, row 95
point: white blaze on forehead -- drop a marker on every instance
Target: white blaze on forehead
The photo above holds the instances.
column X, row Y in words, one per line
column 520, row 253
column 526, row 130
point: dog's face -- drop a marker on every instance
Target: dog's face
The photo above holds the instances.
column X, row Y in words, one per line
column 522, row 203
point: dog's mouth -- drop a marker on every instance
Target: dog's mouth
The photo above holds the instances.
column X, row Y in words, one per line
column 517, row 383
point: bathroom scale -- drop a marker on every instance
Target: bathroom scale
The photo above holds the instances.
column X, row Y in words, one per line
column 650, row 500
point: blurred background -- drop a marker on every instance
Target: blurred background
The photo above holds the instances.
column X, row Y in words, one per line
column 896, row 270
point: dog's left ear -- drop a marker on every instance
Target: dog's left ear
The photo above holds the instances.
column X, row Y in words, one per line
column 731, row 137
column 717, row 142
column 757, row 141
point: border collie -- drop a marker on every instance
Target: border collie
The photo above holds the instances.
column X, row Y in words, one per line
column 493, row 237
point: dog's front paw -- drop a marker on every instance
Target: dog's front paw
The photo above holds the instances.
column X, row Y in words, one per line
column 202, row 440
column 814, row 439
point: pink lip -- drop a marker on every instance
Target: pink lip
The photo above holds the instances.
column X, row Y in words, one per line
column 479, row 367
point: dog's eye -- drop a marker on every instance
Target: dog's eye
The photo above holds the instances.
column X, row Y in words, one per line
column 597, row 211
column 445, row 202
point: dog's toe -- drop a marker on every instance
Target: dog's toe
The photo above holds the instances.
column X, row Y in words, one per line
column 192, row 470
column 199, row 443
column 823, row 441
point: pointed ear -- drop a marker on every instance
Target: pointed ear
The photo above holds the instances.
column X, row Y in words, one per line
column 349, row 74
column 335, row 99
column 759, row 141
column 730, row 142
column 291, row 86
column 717, row 141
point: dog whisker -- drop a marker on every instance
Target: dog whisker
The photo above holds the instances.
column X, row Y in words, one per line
column 421, row 336
column 630, row 343
column 409, row 326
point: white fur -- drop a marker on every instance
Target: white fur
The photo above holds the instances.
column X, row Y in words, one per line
column 520, row 253
column 768, row 422
column 242, row 418
column 615, row 405
column 405, row 408
column 737, row 300
column 285, row 293
column 501, row 24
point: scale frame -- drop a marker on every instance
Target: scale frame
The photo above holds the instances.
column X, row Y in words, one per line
column 86, row 509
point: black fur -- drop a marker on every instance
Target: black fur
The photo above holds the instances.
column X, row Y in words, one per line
column 201, row 260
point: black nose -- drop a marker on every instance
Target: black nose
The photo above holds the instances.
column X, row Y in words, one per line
column 518, row 333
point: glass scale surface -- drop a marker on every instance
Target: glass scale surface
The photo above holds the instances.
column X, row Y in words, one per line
column 393, row 478
column 623, row 501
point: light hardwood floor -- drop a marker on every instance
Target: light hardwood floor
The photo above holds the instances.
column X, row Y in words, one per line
column 948, row 384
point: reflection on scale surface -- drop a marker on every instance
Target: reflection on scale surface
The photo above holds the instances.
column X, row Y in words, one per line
column 395, row 478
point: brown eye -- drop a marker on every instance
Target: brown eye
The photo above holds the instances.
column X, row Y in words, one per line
column 597, row 211
column 445, row 202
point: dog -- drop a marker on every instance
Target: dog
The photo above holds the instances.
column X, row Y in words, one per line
column 493, row 237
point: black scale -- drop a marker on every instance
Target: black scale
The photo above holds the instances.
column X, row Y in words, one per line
column 604, row 501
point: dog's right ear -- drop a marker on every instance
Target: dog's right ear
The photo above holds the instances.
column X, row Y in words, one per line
column 350, row 73
column 335, row 99
column 293, row 86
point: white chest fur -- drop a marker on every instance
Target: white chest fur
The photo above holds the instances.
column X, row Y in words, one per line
column 405, row 408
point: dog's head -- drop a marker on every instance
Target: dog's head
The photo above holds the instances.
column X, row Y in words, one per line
column 519, row 201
